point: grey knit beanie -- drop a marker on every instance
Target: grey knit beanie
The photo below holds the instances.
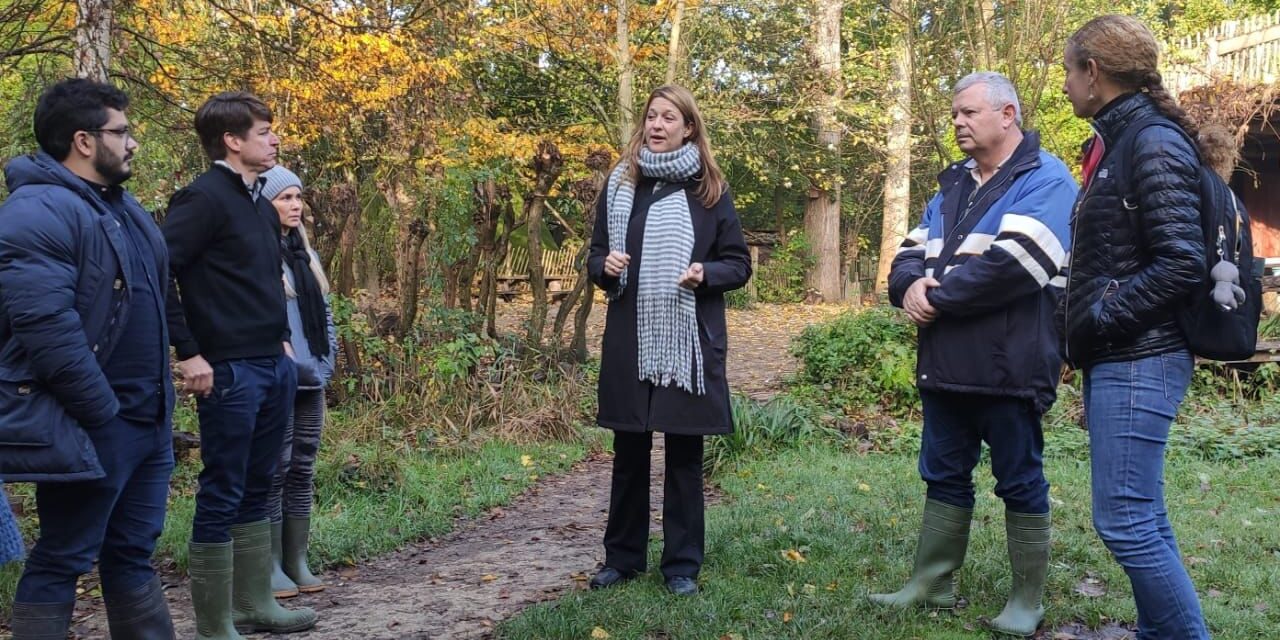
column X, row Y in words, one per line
column 278, row 179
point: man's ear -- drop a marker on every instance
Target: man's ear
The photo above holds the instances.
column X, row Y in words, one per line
column 231, row 142
column 82, row 142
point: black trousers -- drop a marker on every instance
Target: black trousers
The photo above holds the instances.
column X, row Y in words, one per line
column 626, row 536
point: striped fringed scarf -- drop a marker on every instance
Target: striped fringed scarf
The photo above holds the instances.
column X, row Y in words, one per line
column 666, row 313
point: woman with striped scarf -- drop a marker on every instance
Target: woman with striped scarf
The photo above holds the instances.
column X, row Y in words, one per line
column 667, row 246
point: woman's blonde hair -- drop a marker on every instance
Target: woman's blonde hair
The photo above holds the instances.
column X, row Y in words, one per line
column 316, row 267
column 711, row 184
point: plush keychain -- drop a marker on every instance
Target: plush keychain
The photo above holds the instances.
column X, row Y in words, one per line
column 1226, row 286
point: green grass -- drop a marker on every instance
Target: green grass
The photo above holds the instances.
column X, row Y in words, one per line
column 853, row 518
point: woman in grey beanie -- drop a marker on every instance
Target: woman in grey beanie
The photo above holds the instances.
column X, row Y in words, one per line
column 314, row 343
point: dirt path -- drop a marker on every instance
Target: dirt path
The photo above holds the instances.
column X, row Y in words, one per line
column 759, row 339
column 545, row 543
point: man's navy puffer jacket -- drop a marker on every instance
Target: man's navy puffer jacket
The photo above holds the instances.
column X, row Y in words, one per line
column 1132, row 265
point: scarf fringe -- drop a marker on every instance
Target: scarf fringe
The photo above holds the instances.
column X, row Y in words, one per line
column 664, row 358
column 669, row 350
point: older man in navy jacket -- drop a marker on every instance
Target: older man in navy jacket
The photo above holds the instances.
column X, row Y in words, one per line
column 85, row 390
column 980, row 277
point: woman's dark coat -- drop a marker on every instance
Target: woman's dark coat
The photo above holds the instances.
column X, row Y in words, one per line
column 628, row 403
column 1129, row 268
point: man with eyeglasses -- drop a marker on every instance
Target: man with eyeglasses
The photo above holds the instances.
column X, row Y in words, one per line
column 86, row 396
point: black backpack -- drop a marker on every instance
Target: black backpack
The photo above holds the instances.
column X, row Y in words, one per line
column 1212, row 331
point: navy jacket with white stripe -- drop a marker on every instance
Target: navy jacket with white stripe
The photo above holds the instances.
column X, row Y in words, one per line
column 998, row 251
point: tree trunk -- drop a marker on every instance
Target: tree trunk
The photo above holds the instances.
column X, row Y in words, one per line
column 822, row 211
column 626, row 79
column 897, row 177
column 486, row 241
column 349, row 234
column 547, row 164
column 598, row 161
column 673, row 46
column 411, row 232
column 507, row 211
column 93, row 39
column 571, row 299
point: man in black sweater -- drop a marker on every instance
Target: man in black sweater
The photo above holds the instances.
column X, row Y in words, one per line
column 227, row 322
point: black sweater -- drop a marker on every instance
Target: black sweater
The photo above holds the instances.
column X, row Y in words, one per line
column 226, row 298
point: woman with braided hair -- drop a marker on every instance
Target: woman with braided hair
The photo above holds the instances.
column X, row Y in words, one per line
column 1137, row 252
column 667, row 246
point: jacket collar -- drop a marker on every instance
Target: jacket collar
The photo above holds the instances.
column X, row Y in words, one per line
column 1112, row 120
column 253, row 190
column 1025, row 156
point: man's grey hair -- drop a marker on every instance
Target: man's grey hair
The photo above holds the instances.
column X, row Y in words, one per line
column 999, row 90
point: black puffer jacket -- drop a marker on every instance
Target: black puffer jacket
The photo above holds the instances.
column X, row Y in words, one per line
column 1130, row 267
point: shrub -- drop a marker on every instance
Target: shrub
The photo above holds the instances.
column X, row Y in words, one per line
column 860, row 361
column 764, row 427
column 781, row 278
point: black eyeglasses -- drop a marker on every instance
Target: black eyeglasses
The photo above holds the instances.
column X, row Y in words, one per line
column 123, row 132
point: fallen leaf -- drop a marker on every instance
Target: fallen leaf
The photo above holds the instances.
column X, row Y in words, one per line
column 1091, row 587
column 526, row 460
column 786, row 616
column 793, row 555
column 599, row 633
column 488, row 577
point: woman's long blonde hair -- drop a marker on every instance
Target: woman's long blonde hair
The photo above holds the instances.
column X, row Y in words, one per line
column 711, row 184
column 316, row 267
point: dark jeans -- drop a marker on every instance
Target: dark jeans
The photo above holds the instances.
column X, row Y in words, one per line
column 956, row 425
column 241, row 426
column 116, row 519
column 626, row 537
column 292, row 488
column 1130, row 407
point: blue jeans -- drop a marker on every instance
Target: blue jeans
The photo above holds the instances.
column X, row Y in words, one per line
column 116, row 519
column 955, row 426
column 1129, row 407
column 242, row 425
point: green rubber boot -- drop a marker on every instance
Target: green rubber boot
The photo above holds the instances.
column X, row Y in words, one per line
column 41, row 621
column 281, row 585
column 253, row 607
column 209, row 565
column 1029, row 556
column 297, row 533
column 944, row 539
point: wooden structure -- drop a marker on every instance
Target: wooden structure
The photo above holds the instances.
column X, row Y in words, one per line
column 1229, row 74
column 559, row 268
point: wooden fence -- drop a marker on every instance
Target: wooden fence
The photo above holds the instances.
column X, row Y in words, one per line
column 1244, row 51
